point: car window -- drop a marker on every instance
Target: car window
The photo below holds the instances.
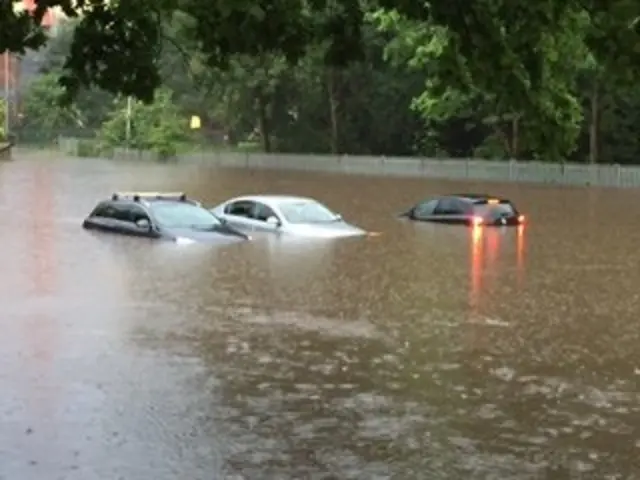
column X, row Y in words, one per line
column 133, row 213
column 450, row 206
column 183, row 215
column 425, row 208
column 104, row 210
column 118, row 211
column 498, row 209
column 242, row 208
column 304, row 211
column 262, row 212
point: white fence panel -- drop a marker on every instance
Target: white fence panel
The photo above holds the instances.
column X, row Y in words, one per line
column 472, row 169
column 360, row 165
column 402, row 167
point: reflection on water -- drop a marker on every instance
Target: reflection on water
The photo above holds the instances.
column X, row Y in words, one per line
column 477, row 263
column 520, row 254
column 429, row 352
column 293, row 259
column 40, row 198
column 491, row 251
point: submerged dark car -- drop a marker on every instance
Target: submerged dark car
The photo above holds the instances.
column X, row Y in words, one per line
column 468, row 209
column 168, row 216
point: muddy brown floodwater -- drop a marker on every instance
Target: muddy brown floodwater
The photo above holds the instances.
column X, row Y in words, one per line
column 429, row 352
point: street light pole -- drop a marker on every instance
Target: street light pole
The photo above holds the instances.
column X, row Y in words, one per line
column 7, row 114
column 128, row 132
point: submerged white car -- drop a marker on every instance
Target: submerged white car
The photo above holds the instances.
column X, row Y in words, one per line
column 300, row 216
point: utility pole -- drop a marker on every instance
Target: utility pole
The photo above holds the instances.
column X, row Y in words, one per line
column 7, row 109
column 128, row 132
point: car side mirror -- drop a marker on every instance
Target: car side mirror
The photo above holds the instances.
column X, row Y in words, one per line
column 143, row 224
column 273, row 221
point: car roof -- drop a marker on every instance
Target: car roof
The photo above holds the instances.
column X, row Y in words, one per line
column 271, row 200
column 146, row 198
column 475, row 197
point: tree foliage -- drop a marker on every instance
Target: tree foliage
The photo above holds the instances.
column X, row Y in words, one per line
column 505, row 78
column 158, row 126
column 42, row 120
column 551, row 119
column 496, row 45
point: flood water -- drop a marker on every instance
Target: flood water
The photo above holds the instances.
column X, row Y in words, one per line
column 429, row 352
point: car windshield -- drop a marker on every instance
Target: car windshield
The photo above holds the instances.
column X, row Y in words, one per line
column 183, row 215
column 307, row 212
column 497, row 209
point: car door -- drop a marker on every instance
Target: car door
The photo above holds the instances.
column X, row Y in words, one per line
column 261, row 214
column 424, row 210
column 112, row 217
column 133, row 216
column 240, row 214
column 450, row 210
column 103, row 217
column 121, row 217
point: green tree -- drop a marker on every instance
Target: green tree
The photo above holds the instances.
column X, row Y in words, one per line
column 44, row 120
column 362, row 108
column 545, row 127
column 242, row 96
column 495, row 45
column 509, row 64
column 618, row 118
column 159, row 126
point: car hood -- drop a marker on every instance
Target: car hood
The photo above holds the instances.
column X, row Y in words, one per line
column 205, row 236
column 325, row 230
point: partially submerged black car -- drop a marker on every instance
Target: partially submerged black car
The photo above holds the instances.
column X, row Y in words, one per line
column 468, row 209
column 169, row 216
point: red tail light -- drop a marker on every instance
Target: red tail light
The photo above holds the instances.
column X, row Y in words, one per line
column 521, row 219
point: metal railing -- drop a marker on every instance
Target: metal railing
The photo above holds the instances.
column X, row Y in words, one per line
column 455, row 169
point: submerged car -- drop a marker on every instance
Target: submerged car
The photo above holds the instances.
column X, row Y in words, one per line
column 469, row 209
column 300, row 216
column 169, row 216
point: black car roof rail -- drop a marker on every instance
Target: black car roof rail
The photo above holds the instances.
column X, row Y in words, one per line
column 137, row 196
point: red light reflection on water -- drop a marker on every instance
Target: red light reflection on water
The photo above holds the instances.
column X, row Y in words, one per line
column 493, row 246
column 476, row 255
column 473, row 335
column 520, row 254
column 489, row 250
column 485, row 251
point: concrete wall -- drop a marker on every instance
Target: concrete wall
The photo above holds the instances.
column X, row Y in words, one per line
column 5, row 151
column 458, row 169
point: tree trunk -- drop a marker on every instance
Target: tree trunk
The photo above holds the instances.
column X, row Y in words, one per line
column 333, row 105
column 263, row 124
column 594, row 123
column 504, row 138
column 515, row 137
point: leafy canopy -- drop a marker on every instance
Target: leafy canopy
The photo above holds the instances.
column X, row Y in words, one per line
column 159, row 126
column 497, row 45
